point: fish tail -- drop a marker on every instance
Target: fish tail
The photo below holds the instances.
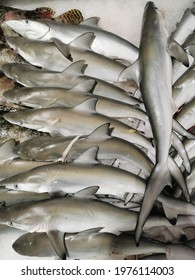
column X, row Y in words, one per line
column 160, row 177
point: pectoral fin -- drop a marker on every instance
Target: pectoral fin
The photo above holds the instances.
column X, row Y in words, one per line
column 176, row 51
column 57, row 240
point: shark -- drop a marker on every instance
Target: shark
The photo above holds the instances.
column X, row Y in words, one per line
column 153, row 72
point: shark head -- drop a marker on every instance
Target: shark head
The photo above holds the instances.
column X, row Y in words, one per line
column 24, row 182
column 18, row 216
column 29, row 28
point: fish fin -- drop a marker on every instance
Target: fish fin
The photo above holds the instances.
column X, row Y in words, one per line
column 6, row 151
column 76, row 68
column 178, row 145
column 2, row 205
column 103, row 131
column 68, row 148
column 88, row 106
column 190, row 41
column 178, row 176
column 170, row 214
column 128, row 197
column 57, row 240
column 182, row 131
column 86, row 86
column 92, row 21
column 83, row 41
column 87, row 192
column 175, row 50
column 89, row 231
column 159, row 178
column 88, row 157
column 62, row 47
column 130, row 73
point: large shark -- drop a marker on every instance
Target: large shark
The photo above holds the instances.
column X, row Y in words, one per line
column 153, row 72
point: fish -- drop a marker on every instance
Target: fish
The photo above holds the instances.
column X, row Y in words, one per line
column 10, row 131
column 55, row 97
column 89, row 86
column 183, row 88
column 73, row 177
column 83, row 245
column 79, row 120
column 11, row 164
column 98, row 66
column 185, row 26
column 186, row 116
column 174, row 207
column 52, row 149
column 38, row 53
column 156, row 93
column 45, row 30
column 73, row 16
column 31, row 217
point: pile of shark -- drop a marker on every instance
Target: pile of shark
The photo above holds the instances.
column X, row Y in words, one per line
column 112, row 175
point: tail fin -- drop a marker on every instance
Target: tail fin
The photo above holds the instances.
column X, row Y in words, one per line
column 159, row 178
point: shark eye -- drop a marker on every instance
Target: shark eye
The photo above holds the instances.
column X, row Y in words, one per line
column 26, row 21
column 10, row 224
column 16, row 187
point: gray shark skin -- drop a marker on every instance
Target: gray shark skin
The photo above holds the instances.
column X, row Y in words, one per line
column 63, row 216
column 186, row 117
column 38, row 53
column 56, row 97
column 45, row 30
column 154, row 68
column 183, row 88
column 99, row 66
column 86, row 245
column 74, row 177
column 52, row 149
column 80, row 120
column 90, row 86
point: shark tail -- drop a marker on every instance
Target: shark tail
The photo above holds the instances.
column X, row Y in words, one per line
column 159, row 178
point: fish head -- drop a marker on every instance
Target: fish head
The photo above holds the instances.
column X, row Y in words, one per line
column 29, row 28
column 25, row 118
column 25, row 181
column 10, row 70
column 22, row 46
column 19, row 216
column 18, row 95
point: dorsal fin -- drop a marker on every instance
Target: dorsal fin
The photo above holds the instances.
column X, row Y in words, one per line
column 103, row 131
column 86, row 86
column 6, row 151
column 176, row 51
column 88, row 157
column 83, row 41
column 62, row 47
column 87, row 192
column 88, row 106
column 76, row 68
column 131, row 73
column 92, row 21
